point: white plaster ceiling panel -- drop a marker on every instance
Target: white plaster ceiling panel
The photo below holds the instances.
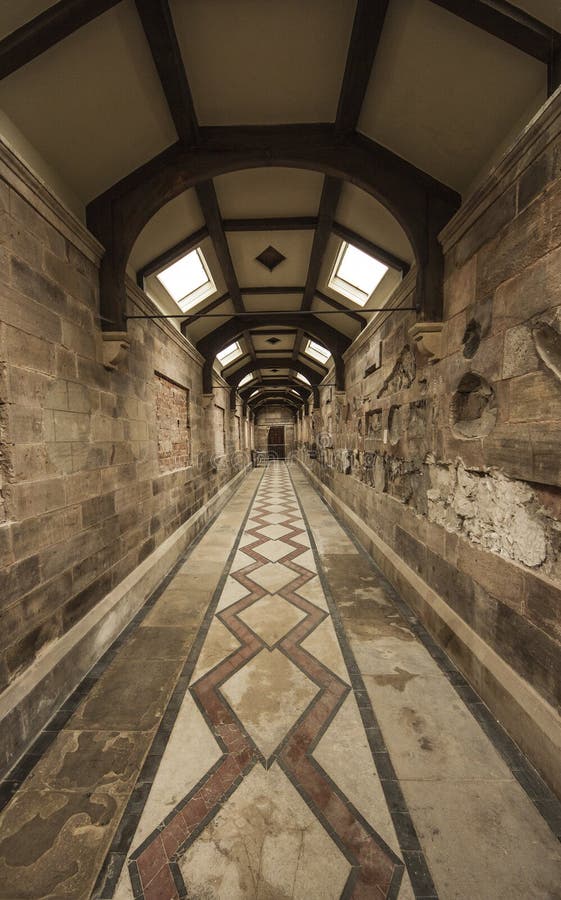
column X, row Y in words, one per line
column 286, row 341
column 16, row 13
column 269, row 302
column 363, row 214
column 546, row 11
column 92, row 105
column 443, row 93
column 202, row 327
column 295, row 246
column 342, row 323
column 269, row 191
column 277, row 62
column 172, row 223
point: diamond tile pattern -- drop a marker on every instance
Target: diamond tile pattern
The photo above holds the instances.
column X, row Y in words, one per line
column 271, row 618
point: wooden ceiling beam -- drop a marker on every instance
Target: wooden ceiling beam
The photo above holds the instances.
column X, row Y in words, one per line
column 47, row 29
column 284, row 363
column 157, row 22
column 420, row 203
column 335, row 304
column 363, row 45
column 275, row 223
column 513, row 26
column 328, row 204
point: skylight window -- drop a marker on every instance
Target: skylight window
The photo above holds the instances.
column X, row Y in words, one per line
column 301, row 377
column 188, row 280
column 317, row 352
column 253, row 393
column 356, row 275
column 245, row 380
column 229, row 354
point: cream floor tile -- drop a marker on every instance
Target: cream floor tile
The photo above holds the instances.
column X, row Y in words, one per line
column 272, row 617
column 274, row 550
column 485, row 841
column 313, row 592
column 219, row 644
column 323, row 644
column 268, row 695
column 265, row 844
column 429, row 732
column 231, row 593
column 273, row 576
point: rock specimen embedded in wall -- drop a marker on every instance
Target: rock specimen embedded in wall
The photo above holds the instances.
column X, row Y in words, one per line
column 471, row 338
column 403, row 373
column 548, row 346
column 473, row 410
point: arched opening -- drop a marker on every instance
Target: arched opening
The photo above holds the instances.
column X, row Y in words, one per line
column 275, row 442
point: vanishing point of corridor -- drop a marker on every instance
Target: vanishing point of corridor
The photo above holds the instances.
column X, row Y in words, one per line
column 276, row 724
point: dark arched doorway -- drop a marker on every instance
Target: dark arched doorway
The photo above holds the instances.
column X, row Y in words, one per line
column 275, row 442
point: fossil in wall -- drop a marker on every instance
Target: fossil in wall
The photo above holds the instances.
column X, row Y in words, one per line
column 548, row 346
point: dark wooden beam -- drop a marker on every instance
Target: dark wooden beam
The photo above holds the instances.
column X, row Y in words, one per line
column 421, row 204
column 328, row 204
column 211, row 212
column 172, row 255
column 284, row 363
column 283, row 223
column 210, row 306
column 47, row 29
column 271, row 289
column 385, row 256
column 341, row 307
column 514, row 26
column 157, row 22
column 367, row 29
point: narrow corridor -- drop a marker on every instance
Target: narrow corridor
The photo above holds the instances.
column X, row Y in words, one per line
column 276, row 724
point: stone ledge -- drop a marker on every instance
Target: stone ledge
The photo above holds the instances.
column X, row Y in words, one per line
column 542, row 130
column 32, row 699
column 532, row 722
column 30, row 186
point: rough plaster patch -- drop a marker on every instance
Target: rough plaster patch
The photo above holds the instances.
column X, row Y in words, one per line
column 490, row 509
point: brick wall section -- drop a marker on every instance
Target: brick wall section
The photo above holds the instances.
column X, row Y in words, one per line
column 477, row 518
column 84, row 497
column 172, row 417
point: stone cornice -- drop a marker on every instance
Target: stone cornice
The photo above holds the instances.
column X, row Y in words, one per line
column 28, row 185
column 542, row 130
column 143, row 302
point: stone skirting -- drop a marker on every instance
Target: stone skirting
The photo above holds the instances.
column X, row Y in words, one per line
column 32, row 699
column 528, row 718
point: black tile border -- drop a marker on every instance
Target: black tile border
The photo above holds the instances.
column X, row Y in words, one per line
column 544, row 800
column 412, row 853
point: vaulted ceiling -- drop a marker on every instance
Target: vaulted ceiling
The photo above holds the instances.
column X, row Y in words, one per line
column 94, row 90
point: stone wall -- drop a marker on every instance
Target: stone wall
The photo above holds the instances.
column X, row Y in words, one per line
column 455, row 464
column 97, row 466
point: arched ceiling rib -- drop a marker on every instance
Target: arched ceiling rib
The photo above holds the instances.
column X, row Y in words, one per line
column 374, row 67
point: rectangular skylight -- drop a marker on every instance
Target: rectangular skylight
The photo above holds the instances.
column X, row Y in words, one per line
column 253, row 394
column 188, row 280
column 245, row 380
column 229, row 354
column 356, row 275
column 316, row 351
column 301, row 377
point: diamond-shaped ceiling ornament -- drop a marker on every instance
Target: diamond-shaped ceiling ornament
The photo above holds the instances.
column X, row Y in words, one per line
column 273, row 340
column 270, row 258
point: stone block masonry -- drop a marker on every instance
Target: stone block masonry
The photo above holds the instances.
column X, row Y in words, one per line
column 97, row 467
column 454, row 464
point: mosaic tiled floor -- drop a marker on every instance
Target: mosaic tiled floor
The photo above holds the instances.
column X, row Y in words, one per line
column 261, row 816
column 277, row 725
